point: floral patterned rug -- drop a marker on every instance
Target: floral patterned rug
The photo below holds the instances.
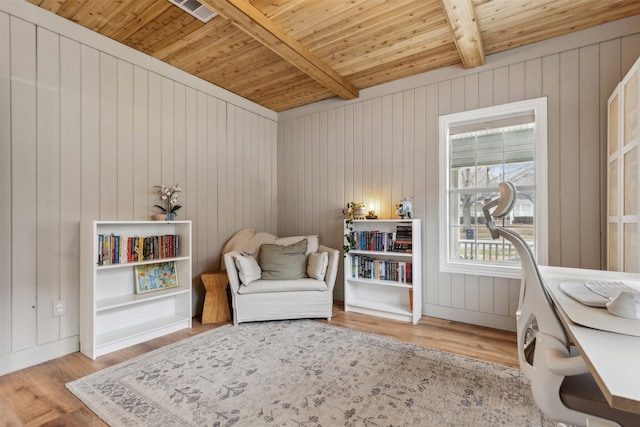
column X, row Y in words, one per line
column 306, row 373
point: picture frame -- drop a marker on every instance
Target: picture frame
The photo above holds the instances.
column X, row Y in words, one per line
column 155, row 277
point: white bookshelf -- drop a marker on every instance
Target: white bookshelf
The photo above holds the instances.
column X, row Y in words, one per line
column 113, row 316
column 394, row 299
column 623, row 170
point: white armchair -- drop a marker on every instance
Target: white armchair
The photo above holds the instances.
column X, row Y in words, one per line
column 260, row 299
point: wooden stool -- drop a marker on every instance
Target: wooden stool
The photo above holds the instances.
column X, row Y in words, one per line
column 216, row 304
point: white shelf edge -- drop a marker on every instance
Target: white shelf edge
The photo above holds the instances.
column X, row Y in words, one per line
column 147, row 261
column 390, row 220
column 139, row 329
column 377, row 282
column 124, row 222
column 125, row 300
column 381, row 308
column 381, row 253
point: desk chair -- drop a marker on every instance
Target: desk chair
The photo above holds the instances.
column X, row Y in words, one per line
column 561, row 384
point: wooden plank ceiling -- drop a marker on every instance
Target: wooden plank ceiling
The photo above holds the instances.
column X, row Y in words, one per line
column 287, row 53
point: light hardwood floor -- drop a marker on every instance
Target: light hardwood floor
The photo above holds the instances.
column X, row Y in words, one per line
column 37, row 396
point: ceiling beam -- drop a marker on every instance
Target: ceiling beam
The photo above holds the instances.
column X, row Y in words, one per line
column 247, row 18
column 466, row 34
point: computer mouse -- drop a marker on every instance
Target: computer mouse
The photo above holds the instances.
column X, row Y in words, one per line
column 624, row 305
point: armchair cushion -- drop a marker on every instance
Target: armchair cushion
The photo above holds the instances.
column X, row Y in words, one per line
column 313, row 241
column 317, row 265
column 264, row 286
column 248, row 241
column 283, row 262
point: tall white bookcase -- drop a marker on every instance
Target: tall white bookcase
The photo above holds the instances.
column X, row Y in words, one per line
column 392, row 296
column 623, row 167
column 112, row 315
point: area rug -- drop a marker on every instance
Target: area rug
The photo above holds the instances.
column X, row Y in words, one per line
column 306, row 373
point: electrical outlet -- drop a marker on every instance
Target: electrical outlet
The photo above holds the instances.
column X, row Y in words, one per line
column 59, row 307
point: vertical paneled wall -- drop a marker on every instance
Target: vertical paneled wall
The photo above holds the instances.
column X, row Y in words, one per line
column 386, row 147
column 86, row 134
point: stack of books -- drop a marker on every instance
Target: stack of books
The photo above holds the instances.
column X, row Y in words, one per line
column 403, row 239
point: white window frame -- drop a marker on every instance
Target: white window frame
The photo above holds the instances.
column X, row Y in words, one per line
column 486, row 268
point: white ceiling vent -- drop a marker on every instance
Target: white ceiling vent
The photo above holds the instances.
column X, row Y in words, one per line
column 195, row 8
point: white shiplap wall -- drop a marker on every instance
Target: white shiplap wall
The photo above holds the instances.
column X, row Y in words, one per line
column 384, row 146
column 88, row 127
column 85, row 133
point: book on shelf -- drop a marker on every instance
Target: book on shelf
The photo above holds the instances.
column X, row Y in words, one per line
column 117, row 249
column 403, row 246
column 106, row 249
column 100, row 246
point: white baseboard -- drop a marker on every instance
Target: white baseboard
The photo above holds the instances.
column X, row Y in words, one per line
column 39, row 354
column 489, row 320
column 496, row 321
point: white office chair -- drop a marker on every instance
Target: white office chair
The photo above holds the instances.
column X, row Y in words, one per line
column 561, row 384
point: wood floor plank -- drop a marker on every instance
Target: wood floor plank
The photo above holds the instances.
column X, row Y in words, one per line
column 490, row 345
column 37, row 396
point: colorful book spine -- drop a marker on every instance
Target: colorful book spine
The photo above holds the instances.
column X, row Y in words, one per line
column 106, row 249
column 115, row 250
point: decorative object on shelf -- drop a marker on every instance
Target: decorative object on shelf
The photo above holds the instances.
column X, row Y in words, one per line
column 159, row 217
column 155, row 277
column 171, row 196
column 348, row 235
column 404, row 209
column 355, row 210
column 372, row 215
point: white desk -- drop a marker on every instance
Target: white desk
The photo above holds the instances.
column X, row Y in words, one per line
column 612, row 358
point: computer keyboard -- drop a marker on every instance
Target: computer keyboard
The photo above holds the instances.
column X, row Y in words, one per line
column 610, row 289
column 596, row 293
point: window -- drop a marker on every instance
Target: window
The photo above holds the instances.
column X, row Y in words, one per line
column 479, row 149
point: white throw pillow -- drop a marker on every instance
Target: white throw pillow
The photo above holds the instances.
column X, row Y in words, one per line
column 317, row 265
column 248, row 269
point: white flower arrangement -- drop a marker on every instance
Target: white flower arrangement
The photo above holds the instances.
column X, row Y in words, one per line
column 170, row 195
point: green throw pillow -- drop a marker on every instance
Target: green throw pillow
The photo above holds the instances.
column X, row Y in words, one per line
column 283, row 262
